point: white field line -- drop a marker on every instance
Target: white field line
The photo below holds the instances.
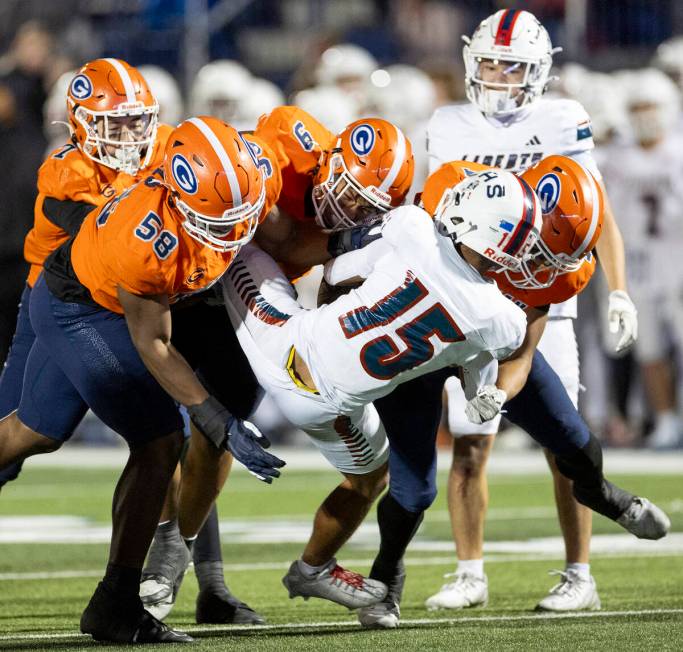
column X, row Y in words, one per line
column 346, row 624
column 284, row 565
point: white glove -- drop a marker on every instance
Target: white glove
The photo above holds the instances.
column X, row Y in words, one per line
column 623, row 319
column 486, row 404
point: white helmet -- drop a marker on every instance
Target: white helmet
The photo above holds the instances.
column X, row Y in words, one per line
column 330, row 105
column 669, row 58
column 653, row 103
column 167, row 92
column 495, row 213
column 514, row 36
column 342, row 62
column 218, row 88
column 263, row 97
column 603, row 98
column 389, row 88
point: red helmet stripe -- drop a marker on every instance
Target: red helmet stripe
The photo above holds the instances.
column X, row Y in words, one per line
column 506, row 25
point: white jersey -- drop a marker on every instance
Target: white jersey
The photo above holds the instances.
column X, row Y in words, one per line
column 421, row 308
column 644, row 187
column 549, row 126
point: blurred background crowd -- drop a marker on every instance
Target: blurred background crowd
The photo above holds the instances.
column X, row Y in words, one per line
column 400, row 59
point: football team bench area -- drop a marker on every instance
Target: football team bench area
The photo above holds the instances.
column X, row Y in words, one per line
column 55, row 528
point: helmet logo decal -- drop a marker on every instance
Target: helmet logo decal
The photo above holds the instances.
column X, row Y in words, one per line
column 184, row 174
column 362, row 139
column 81, row 87
column 548, row 191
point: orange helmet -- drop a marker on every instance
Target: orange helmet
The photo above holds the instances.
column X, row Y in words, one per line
column 215, row 182
column 572, row 203
column 369, row 170
column 113, row 114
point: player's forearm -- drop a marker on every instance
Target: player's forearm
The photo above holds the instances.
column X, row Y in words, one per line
column 610, row 249
column 512, row 375
column 172, row 371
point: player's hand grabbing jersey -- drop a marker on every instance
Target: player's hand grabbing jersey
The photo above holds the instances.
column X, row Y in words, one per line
column 297, row 140
column 565, row 285
column 70, row 185
column 138, row 243
column 422, row 308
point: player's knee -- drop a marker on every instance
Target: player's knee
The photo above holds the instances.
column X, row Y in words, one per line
column 470, row 455
column 161, row 453
column 416, row 497
column 370, row 485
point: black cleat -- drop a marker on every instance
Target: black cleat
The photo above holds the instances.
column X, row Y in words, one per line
column 224, row 608
column 108, row 617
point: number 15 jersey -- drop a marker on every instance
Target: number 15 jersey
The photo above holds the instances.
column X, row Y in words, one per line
column 421, row 308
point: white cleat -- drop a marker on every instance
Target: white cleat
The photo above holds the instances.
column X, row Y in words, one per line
column 573, row 593
column 335, row 584
column 644, row 519
column 465, row 591
column 385, row 614
column 163, row 575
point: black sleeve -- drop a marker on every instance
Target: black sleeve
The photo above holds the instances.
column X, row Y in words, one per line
column 66, row 214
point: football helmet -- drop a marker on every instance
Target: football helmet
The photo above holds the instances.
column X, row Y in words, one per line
column 113, row 114
column 344, row 63
column 219, row 88
column 573, row 204
column 368, row 171
column 167, row 92
column 493, row 212
column 215, row 182
column 516, row 38
column 389, row 88
column 653, row 103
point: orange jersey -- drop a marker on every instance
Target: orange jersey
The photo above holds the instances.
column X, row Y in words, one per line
column 137, row 242
column 298, row 140
column 565, row 285
column 69, row 175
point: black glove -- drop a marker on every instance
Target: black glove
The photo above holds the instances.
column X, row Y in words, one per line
column 357, row 237
column 241, row 438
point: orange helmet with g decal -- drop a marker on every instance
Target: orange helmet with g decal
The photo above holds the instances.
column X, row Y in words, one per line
column 215, row 182
column 573, row 204
column 113, row 114
column 368, row 171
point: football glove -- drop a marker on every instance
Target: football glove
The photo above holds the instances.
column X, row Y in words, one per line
column 623, row 319
column 357, row 237
column 242, row 438
column 486, row 404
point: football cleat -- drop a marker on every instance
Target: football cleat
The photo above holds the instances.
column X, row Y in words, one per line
column 163, row 575
column 224, row 608
column 573, row 593
column 108, row 617
column 387, row 613
column 335, row 584
column 465, row 591
column 644, row 519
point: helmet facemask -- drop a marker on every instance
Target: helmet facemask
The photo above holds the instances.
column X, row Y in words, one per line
column 213, row 231
column 121, row 139
column 341, row 202
column 504, row 98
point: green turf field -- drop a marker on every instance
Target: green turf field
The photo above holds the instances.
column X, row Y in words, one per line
column 44, row 586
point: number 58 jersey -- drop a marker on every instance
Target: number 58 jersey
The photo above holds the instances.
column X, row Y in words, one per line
column 421, row 308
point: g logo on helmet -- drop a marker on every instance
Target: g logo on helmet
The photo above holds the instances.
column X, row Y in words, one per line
column 362, row 139
column 548, row 191
column 183, row 174
column 81, row 87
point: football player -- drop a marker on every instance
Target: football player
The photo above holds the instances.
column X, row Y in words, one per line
column 328, row 182
column 108, row 97
column 424, row 305
column 101, row 312
column 541, row 406
column 508, row 124
column 642, row 175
